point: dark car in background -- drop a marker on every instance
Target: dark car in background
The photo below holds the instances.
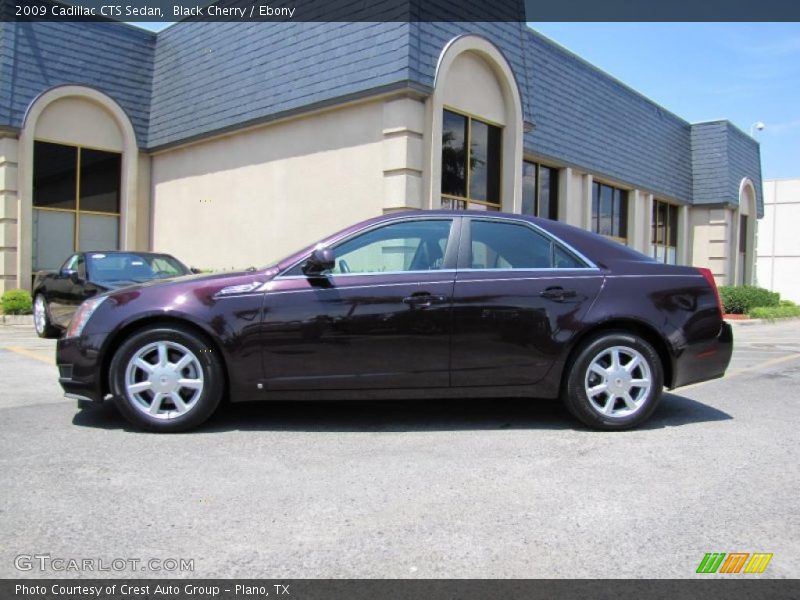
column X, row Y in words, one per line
column 413, row 305
column 57, row 294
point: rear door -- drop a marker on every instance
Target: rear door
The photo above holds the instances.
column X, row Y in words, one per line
column 519, row 296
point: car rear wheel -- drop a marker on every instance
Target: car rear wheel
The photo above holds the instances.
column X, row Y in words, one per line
column 614, row 382
column 41, row 318
column 166, row 379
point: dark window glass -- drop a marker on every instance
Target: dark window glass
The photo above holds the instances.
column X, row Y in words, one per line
column 100, row 180
column 484, row 179
column 742, row 234
column 609, row 211
column 454, row 154
column 672, row 233
column 548, row 193
column 54, row 175
column 81, row 267
column 529, row 191
column 606, row 210
column 665, row 232
column 509, row 246
column 539, row 190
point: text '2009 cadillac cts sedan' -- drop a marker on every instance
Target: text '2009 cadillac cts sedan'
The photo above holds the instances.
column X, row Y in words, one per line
column 427, row 304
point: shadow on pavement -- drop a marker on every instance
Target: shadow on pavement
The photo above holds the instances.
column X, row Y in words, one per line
column 406, row 415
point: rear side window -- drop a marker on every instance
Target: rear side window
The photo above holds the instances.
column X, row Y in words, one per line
column 499, row 245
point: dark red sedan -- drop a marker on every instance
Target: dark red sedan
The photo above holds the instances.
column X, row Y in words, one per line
column 409, row 305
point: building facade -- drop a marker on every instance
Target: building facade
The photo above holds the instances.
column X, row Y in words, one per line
column 778, row 262
column 232, row 144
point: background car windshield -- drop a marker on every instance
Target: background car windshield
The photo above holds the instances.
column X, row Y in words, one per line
column 133, row 267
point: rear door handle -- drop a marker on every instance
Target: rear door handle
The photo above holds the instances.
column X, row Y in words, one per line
column 557, row 293
column 423, row 299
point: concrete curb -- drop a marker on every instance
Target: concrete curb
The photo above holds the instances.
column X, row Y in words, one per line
column 746, row 322
column 16, row 320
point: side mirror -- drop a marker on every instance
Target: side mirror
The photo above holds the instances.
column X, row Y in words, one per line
column 71, row 274
column 195, row 271
column 321, row 260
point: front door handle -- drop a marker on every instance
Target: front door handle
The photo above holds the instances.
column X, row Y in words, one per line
column 423, row 300
column 557, row 293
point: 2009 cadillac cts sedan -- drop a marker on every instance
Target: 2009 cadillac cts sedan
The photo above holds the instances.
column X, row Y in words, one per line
column 427, row 304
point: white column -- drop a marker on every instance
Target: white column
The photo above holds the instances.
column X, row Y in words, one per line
column 586, row 202
column 403, row 154
column 8, row 214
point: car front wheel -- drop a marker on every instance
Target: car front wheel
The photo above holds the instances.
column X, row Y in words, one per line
column 41, row 318
column 614, row 382
column 166, row 379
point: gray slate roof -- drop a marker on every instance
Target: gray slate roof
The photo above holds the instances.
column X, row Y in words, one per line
column 195, row 79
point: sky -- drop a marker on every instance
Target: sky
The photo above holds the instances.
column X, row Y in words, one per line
column 743, row 72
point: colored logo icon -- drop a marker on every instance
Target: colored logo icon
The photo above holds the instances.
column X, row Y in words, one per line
column 736, row 562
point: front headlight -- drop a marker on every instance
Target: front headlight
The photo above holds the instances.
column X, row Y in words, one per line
column 82, row 316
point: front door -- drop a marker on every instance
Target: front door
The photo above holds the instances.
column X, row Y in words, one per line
column 380, row 319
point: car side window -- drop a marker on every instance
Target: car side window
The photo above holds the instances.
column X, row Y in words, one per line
column 70, row 263
column 80, row 266
column 404, row 246
column 502, row 245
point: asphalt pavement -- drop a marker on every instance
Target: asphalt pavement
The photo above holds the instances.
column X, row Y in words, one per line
column 430, row 489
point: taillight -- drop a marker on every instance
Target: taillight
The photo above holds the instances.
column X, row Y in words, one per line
column 709, row 277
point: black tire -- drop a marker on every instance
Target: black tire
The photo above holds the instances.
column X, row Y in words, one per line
column 600, row 348
column 176, row 339
column 44, row 328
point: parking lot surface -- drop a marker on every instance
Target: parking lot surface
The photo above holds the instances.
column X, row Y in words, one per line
column 484, row 488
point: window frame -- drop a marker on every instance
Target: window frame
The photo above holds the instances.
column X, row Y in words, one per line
column 448, row 263
column 668, row 229
column 76, row 211
column 555, row 174
column 623, row 213
column 467, row 200
column 465, row 248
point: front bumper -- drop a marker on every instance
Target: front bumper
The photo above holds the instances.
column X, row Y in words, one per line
column 705, row 361
column 80, row 367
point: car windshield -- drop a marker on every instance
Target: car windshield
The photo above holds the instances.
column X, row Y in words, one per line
column 125, row 266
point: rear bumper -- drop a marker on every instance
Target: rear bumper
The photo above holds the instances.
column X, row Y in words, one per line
column 79, row 367
column 706, row 360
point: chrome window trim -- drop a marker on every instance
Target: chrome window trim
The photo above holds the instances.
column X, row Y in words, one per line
column 369, row 274
column 264, row 287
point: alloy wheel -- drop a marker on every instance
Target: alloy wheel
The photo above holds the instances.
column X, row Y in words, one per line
column 164, row 380
column 618, row 381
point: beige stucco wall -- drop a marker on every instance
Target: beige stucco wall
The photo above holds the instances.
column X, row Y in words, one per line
column 471, row 86
column 255, row 196
column 79, row 122
column 711, row 231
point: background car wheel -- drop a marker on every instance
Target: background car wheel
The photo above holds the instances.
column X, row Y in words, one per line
column 41, row 318
column 614, row 382
column 166, row 379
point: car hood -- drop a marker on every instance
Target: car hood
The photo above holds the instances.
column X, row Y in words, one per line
column 203, row 287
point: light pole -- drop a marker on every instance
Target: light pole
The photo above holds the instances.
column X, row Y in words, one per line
column 757, row 126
